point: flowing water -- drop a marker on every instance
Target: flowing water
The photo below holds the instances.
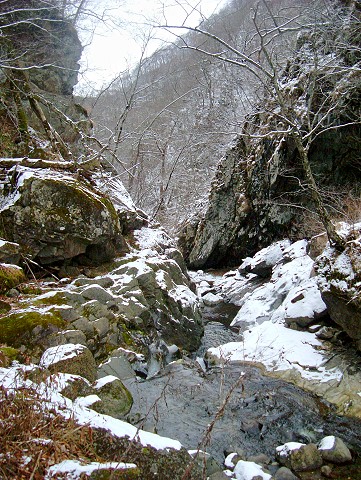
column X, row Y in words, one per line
column 232, row 408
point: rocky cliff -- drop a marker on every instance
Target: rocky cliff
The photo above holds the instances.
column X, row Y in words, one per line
column 260, row 193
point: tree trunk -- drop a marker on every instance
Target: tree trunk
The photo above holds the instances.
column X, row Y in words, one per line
column 335, row 239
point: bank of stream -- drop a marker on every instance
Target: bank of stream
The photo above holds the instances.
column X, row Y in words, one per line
column 184, row 401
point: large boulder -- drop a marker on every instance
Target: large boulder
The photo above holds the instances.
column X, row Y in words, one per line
column 56, row 217
column 339, row 275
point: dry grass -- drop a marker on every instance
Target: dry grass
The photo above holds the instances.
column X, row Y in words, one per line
column 32, row 439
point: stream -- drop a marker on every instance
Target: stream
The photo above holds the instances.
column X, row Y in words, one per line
column 182, row 401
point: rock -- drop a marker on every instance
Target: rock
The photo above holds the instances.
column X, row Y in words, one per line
column 116, row 399
column 118, row 366
column 304, row 305
column 250, row 471
column 54, row 217
column 218, row 476
column 337, row 277
column 263, row 261
column 96, row 292
column 299, row 457
column 285, row 473
column 326, row 471
column 210, row 299
column 76, row 386
column 260, row 459
column 75, row 336
column 10, row 276
column 9, row 252
column 334, row 450
column 206, row 462
column 70, row 358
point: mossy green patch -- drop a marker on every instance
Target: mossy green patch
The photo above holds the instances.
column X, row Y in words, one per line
column 10, row 276
column 15, row 326
column 10, row 352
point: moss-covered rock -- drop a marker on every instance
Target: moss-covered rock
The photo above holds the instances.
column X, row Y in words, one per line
column 56, row 217
column 16, row 327
column 70, row 358
column 116, row 400
column 10, row 276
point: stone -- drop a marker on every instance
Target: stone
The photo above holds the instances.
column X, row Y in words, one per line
column 10, row 276
column 116, row 400
column 299, row 457
column 118, row 366
column 9, row 252
column 261, row 459
column 75, row 336
column 337, row 277
column 70, row 358
column 285, row 473
column 85, row 326
column 206, row 461
column 101, row 326
column 54, row 216
column 96, row 292
column 334, row 450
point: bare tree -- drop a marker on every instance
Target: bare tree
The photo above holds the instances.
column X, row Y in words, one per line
column 329, row 76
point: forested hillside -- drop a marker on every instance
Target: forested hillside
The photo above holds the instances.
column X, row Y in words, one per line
column 173, row 117
column 243, row 137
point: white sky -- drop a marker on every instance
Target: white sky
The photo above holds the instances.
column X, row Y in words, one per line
column 117, row 43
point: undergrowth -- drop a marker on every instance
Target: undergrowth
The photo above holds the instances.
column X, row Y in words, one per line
column 33, row 438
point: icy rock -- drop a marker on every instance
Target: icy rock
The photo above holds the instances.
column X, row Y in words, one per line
column 264, row 260
column 304, row 304
column 250, row 471
column 210, row 299
column 334, row 450
column 299, row 457
column 338, row 274
column 70, row 358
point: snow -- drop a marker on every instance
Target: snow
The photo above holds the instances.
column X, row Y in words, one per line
column 87, row 401
column 74, row 469
column 61, row 352
column 104, row 381
column 13, row 378
column 151, row 238
column 211, row 299
column 229, row 460
column 285, row 449
column 248, row 470
column 260, row 304
column 327, row 443
column 279, row 348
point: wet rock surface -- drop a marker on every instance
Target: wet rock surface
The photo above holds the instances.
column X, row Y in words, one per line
column 261, row 412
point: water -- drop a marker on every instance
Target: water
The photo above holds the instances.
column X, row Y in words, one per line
column 260, row 413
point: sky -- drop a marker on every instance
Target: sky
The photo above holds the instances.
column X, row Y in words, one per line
column 116, row 44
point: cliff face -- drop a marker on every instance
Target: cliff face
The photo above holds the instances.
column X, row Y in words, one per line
column 39, row 68
column 259, row 193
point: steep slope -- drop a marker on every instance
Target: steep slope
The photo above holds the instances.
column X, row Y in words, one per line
column 260, row 192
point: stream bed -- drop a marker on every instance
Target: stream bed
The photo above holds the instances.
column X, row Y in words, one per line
column 233, row 408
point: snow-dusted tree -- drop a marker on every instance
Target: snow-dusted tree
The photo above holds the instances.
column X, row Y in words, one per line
column 319, row 97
